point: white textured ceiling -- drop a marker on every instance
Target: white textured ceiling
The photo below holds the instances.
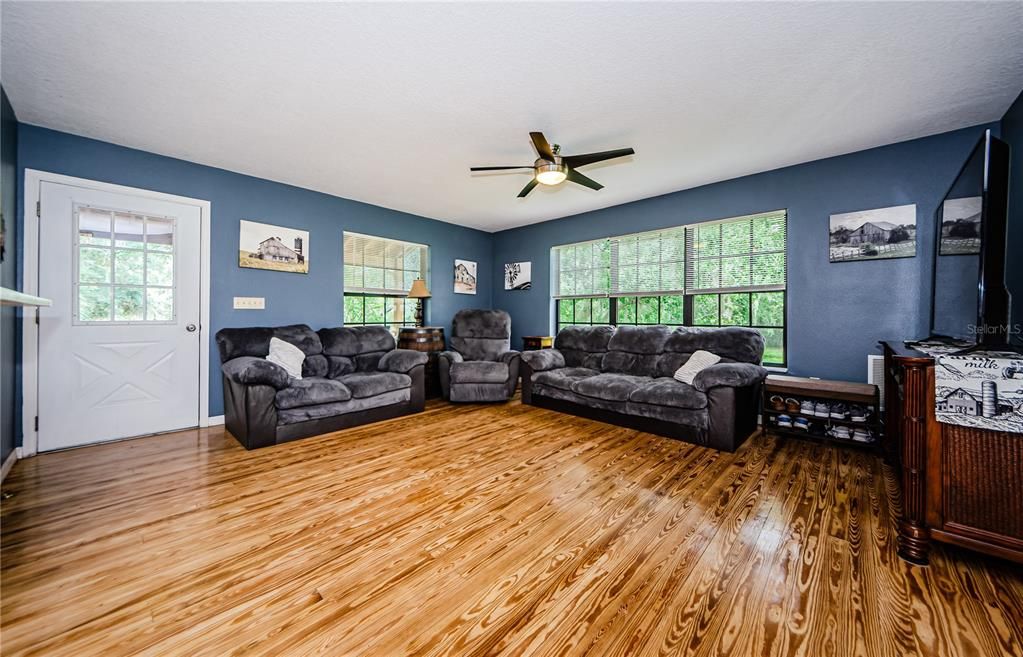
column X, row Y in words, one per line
column 392, row 103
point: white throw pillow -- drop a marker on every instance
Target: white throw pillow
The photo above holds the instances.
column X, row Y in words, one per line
column 700, row 360
column 286, row 355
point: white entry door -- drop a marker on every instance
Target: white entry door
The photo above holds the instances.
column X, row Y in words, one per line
column 119, row 348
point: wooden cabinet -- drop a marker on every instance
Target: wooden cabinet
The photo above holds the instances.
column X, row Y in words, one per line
column 960, row 485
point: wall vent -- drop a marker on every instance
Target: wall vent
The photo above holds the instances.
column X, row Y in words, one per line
column 875, row 374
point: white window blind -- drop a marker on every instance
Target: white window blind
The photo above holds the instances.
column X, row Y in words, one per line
column 377, row 265
column 745, row 254
column 582, row 270
column 649, row 263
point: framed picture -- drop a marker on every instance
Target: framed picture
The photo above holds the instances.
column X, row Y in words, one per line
column 518, row 276
column 264, row 246
column 465, row 277
column 873, row 234
column 960, row 226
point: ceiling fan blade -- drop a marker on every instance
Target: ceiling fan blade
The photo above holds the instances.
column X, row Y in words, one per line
column 528, row 188
column 578, row 178
column 591, row 158
column 528, row 166
column 542, row 147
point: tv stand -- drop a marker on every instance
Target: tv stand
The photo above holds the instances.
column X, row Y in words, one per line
column 960, row 485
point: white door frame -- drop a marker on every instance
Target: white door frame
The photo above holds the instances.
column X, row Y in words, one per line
column 30, row 330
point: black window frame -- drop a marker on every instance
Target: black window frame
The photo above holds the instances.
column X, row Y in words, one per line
column 688, row 301
column 364, row 296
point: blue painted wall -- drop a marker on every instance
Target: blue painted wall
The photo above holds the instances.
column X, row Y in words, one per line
column 1012, row 132
column 314, row 299
column 10, row 344
column 836, row 312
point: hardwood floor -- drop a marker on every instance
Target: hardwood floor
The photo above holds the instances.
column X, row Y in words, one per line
column 480, row 530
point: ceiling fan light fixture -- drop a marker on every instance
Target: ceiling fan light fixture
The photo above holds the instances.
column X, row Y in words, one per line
column 551, row 174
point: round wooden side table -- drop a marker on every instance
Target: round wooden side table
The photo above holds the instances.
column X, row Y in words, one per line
column 429, row 340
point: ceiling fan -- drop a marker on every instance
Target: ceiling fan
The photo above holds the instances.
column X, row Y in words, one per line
column 552, row 168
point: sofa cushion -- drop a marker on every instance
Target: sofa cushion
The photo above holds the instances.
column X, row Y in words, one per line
column 543, row 359
column 367, row 384
column 253, row 371
column 734, row 344
column 301, row 336
column 582, row 400
column 699, row 361
column 479, row 392
column 338, row 366
column 315, row 365
column 312, row 391
column 564, row 377
column 478, row 371
column 353, row 340
column 669, row 392
column 333, row 409
column 609, row 386
column 635, row 350
column 583, row 346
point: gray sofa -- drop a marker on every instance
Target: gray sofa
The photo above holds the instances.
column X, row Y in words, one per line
column 481, row 365
column 350, row 376
column 624, row 376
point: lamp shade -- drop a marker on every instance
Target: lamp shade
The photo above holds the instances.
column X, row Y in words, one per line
column 419, row 290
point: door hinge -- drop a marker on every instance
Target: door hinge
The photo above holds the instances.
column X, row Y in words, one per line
column 37, row 423
column 37, row 316
column 39, row 209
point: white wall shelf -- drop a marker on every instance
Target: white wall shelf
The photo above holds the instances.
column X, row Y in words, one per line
column 10, row 297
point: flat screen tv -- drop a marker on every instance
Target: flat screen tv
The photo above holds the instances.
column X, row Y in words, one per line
column 970, row 301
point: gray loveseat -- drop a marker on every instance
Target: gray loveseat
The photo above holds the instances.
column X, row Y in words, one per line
column 624, row 376
column 481, row 365
column 350, row 376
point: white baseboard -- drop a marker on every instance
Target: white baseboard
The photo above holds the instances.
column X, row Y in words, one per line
column 8, row 463
column 216, row 420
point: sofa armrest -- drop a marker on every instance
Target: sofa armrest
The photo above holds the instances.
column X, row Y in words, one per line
column 444, row 361
column 542, row 360
column 733, row 375
column 251, row 371
column 512, row 359
column 401, row 360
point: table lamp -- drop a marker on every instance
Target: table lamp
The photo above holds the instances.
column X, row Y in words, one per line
column 419, row 292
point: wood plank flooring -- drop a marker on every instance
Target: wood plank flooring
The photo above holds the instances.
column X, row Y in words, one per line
column 480, row 530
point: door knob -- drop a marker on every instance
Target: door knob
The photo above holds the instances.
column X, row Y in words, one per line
column 190, row 328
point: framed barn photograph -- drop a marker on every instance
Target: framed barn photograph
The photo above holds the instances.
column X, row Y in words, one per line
column 873, row 234
column 518, row 276
column 465, row 277
column 265, row 246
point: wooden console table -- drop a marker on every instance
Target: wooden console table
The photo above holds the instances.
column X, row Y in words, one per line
column 960, row 485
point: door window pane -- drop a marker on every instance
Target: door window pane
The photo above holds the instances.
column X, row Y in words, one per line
column 129, row 230
column 93, row 265
column 129, row 267
column 159, row 304
column 159, row 234
column 160, row 269
column 128, row 304
column 94, row 303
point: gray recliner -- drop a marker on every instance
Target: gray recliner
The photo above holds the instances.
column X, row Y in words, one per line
column 481, row 366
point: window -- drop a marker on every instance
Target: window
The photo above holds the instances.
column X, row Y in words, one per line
column 378, row 274
column 722, row 273
column 124, row 267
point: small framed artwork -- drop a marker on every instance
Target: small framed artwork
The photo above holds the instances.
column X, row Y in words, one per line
column 465, row 277
column 518, row 276
column 960, row 226
column 873, row 234
column 264, row 246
